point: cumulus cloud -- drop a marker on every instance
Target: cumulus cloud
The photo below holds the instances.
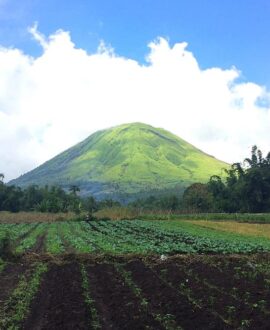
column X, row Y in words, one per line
column 53, row 101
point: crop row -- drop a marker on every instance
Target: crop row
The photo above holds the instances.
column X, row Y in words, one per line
column 135, row 236
column 176, row 293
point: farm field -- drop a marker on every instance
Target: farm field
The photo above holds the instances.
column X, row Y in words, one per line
column 134, row 274
column 254, row 229
column 30, row 217
column 181, row 292
column 134, row 237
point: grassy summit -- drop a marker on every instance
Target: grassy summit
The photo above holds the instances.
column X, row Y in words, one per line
column 128, row 158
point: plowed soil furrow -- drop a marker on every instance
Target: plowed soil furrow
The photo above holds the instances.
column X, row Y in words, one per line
column 9, row 279
column 209, row 298
column 67, row 245
column 118, row 307
column 23, row 236
column 59, row 303
column 227, row 278
column 39, row 246
column 166, row 300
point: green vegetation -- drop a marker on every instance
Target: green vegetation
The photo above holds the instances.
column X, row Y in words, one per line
column 141, row 237
column 246, row 188
column 46, row 199
column 2, row 265
column 30, row 240
column 263, row 218
column 17, row 307
column 126, row 159
column 54, row 243
column 95, row 321
column 5, row 246
column 248, row 229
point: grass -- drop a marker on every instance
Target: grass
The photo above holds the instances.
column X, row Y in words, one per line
column 29, row 217
column 246, row 229
column 124, row 213
column 117, row 213
column 134, row 156
column 238, row 217
column 129, row 213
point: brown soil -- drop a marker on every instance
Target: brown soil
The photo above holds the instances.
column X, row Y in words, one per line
column 235, row 275
column 233, row 307
column 166, row 300
column 117, row 305
column 207, row 297
column 9, row 278
column 59, row 303
column 204, row 302
column 39, row 246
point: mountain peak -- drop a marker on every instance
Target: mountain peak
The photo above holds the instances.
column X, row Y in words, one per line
column 126, row 159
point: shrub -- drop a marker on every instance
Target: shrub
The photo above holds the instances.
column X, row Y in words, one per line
column 6, row 251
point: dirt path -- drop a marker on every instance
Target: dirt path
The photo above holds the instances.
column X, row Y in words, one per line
column 115, row 302
column 59, row 303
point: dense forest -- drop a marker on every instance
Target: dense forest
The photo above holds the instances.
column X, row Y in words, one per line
column 245, row 188
column 47, row 199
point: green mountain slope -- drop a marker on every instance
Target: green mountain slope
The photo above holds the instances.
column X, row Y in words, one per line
column 126, row 159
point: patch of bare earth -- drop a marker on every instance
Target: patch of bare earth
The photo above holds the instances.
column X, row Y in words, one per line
column 59, row 303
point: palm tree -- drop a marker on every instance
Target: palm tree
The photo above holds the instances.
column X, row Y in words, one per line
column 256, row 157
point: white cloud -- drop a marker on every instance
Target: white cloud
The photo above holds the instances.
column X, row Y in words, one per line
column 53, row 101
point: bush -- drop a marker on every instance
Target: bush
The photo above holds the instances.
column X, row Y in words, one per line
column 6, row 251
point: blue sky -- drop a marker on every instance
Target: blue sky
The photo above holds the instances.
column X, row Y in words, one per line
column 60, row 80
column 219, row 33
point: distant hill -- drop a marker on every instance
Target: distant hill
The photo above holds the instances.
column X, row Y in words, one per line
column 126, row 160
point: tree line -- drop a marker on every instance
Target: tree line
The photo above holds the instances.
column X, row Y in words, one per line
column 244, row 188
column 51, row 199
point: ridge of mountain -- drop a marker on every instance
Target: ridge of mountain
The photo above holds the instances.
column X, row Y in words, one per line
column 124, row 160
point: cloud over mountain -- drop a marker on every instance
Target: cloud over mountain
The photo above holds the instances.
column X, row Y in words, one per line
column 51, row 102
